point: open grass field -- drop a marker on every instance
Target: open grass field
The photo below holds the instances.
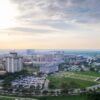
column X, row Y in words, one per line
column 90, row 73
column 77, row 76
column 88, row 76
column 71, row 82
column 74, row 79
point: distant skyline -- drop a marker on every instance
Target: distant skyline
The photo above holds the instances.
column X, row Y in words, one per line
column 50, row 24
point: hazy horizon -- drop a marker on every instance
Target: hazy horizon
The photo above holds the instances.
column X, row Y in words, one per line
column 50, row 24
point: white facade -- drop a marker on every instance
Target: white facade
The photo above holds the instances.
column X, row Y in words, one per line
column 42, row 59
column 13, row 63
column 49, row 69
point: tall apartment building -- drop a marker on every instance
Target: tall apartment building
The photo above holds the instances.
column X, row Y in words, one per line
column 13, row 63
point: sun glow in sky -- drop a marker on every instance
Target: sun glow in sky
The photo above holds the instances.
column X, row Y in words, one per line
column 50, row 24
column 8, row 12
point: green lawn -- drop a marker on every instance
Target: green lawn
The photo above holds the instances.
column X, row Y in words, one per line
column 76, row 76
column 64, row 98
column 48, row 98
column 71, row 82
column 90, row 73
column 74, row 79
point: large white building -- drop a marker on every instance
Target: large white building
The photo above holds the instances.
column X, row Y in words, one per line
column 46, row 59
column 49, row 68
column 13, row 63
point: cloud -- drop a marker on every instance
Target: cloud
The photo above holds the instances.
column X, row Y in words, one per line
column 32, row 30
column 55, row 24
column 62, row 15
column 83, row 11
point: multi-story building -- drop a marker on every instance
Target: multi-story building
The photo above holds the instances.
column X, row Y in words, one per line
column 47, row 59
column 49, row 68
column 13, row 62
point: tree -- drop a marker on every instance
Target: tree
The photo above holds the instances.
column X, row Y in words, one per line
column 45, row 92
column 38, row 87
column 6, row 85
column 51, row 85
column 52, row 92
column 73, row 85
column 64, row 87
column 32, row 88
column 93, row 96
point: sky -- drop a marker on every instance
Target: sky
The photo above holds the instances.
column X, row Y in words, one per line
column 50, row 24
